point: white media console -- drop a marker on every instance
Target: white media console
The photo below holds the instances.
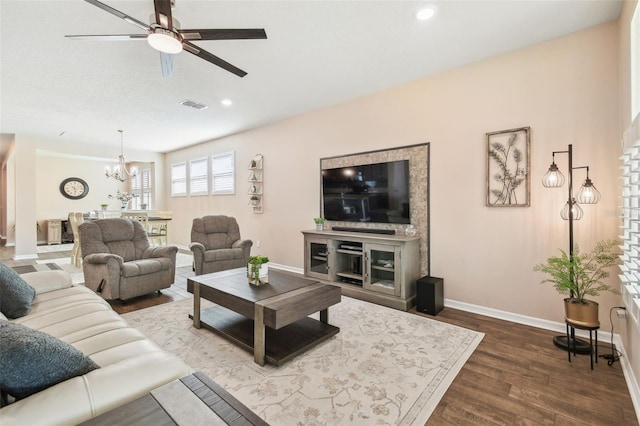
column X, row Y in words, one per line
column 378, row 268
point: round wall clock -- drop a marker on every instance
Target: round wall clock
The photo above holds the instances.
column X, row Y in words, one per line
column 74, row 188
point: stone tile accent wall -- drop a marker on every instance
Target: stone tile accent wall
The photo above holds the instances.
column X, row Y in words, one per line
column 418, row 156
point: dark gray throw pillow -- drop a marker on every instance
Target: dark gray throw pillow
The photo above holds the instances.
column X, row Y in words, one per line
column 31, row 360
column 16, row 294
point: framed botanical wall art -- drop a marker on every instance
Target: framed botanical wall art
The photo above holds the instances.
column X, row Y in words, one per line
column 508, row 168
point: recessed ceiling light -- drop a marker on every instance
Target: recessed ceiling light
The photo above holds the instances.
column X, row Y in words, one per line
column 226, row 102
column 426, row 13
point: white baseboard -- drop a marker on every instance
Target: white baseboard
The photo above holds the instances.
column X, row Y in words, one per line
column 25, row 256
column 632, row 384
column 286, row 268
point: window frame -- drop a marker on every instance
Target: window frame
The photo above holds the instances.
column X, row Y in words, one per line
column 204, row 178
column 144, row 193
column 174, row 180
column 230, row 157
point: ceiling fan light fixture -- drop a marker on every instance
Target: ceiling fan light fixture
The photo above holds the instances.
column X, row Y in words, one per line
column 165, row 41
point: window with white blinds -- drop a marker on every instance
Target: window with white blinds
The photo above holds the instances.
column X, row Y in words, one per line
column 223, row 173
column 178, row 179
column 198, row 177
column 630, row 267
column 141, row 189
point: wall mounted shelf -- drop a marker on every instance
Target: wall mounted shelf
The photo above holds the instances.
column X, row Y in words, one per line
column 256, row 183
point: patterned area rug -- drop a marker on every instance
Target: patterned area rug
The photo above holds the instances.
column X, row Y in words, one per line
column 64, row 263
column 33, row 268
column 385, row 367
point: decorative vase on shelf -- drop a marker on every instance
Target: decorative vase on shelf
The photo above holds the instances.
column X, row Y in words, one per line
column 410, row 230
column 124, row 205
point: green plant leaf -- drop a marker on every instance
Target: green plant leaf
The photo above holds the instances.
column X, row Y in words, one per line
column 583, row 274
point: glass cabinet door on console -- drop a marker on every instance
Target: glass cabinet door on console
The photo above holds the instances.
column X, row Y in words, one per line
column 317, row 253
column 381, row 264
column 348, row 261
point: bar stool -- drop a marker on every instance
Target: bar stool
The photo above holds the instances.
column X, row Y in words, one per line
column 571, row 334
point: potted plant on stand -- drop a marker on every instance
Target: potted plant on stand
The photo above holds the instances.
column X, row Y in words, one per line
column 254, row 264
column 581, row 276
column 319, row 223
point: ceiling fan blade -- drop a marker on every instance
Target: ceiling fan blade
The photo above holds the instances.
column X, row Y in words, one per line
column 223, row 34
column 108, row 37
column 191, row 48
column 166, row 61
column 163, row 13
column 119, row 14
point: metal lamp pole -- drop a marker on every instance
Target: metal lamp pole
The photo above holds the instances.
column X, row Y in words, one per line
column 562, row 341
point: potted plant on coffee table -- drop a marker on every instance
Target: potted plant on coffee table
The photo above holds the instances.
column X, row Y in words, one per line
column 581, row 276
column 254, row 263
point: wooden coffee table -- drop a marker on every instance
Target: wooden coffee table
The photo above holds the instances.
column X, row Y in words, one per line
column 270, row 320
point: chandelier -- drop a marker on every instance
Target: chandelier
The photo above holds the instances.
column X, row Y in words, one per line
column 120, row 171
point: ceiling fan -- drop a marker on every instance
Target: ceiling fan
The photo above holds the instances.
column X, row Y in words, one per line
column 165, row 36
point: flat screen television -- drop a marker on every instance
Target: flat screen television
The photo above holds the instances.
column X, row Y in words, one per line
column 377, row 193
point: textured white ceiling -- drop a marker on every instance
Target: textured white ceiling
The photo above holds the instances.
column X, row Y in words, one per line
column 318, row 53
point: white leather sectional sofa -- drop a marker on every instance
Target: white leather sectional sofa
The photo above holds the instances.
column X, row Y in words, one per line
column 130, row 364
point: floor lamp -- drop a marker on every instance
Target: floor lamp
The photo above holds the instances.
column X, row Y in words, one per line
column 588, row 194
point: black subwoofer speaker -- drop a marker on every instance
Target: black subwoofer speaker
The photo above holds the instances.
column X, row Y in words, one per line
column 430, row 295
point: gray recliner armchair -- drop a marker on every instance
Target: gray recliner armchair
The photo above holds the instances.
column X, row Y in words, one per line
column 118, row 261
column 216, row 244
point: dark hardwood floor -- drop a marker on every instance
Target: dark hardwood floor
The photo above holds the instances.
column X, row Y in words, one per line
column 516, row 376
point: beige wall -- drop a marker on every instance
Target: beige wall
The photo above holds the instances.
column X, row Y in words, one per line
column 564, row 89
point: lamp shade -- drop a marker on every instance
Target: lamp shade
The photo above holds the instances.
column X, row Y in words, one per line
column 588, row 193
column 577, row 211
column 553, row 178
